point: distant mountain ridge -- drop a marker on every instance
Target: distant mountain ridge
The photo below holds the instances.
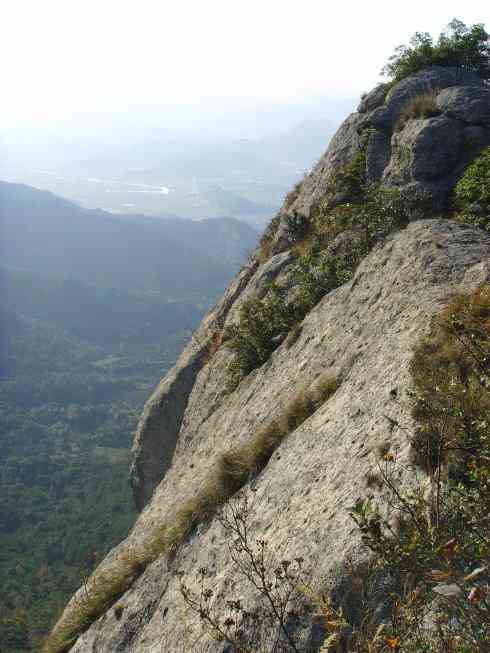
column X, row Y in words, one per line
column 49, row 235
column 94, row 307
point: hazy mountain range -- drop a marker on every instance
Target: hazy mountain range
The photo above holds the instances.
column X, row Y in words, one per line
column 240, row 164
column 93, row 309
column 48, row 235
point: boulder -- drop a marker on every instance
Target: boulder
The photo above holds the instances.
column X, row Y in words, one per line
column 428, row 156
column 468, row 104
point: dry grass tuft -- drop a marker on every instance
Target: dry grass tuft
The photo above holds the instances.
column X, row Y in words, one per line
column 420, row 106
column 265, row 245
column 374, row 480
column 104, row 590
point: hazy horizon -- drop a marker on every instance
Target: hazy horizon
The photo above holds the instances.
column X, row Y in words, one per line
column 76, row 67
column 189, row 109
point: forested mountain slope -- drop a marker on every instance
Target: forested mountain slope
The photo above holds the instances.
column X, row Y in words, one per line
column 80, row 349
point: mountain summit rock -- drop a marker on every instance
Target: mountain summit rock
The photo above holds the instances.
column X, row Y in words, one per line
column 381, row 288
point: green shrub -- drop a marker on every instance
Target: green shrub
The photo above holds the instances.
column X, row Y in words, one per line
column 265, row 323
column 297, row 225
column 262, row 326
column 268, row 238
column 449, row 369
column 317, row 271
column 472, row 192
column 474, row 185
column 460, row 46
column 349, row 181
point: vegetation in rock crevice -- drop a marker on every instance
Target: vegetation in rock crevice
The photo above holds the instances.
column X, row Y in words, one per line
column 328, row 250
column 232, row 470
column 267, row 239
column 423, row 105
column 349, row 181
column 330, row 243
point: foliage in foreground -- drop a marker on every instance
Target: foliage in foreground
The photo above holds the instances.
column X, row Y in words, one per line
column 434, row 545
column 231, row 471
column 270, row 627
column 429, row 545
column 460, row 47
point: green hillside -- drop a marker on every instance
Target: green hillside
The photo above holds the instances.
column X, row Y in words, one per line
column 93, row 310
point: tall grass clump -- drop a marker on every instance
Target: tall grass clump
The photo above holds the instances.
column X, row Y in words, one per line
column 267, row 239
column 262, row 326
column 423, row 105
column 95, row 599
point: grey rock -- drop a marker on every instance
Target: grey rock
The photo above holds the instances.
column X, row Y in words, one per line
column 342, row 148
column 448, row 591
column 373, row 99
column 434, row 145
column 401, row 94
column 378, row 156
column 158, row 428
column 427, row 156
column 160, row 423
column 469, row 104
column 364, row 332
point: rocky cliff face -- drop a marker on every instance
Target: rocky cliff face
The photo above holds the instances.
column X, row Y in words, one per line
column 362, row 333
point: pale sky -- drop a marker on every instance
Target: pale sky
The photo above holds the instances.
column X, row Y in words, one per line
column 69, row 59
